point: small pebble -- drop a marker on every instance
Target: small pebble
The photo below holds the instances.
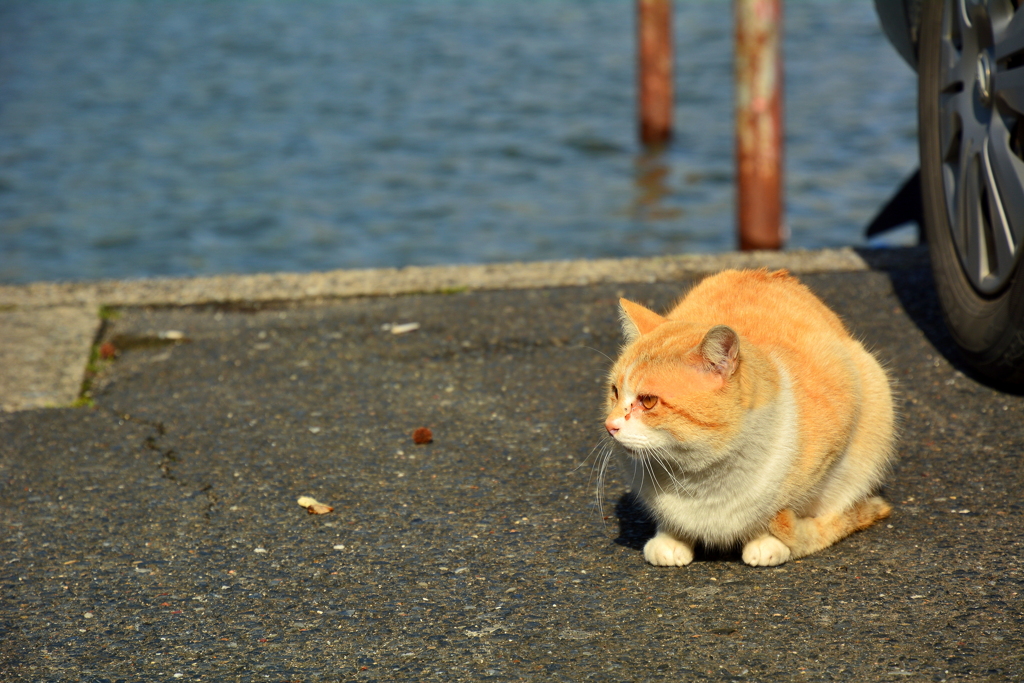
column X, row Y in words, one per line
column 313, row 506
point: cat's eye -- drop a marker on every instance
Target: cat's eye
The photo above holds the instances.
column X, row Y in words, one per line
column 648, row 402
column 615, row 393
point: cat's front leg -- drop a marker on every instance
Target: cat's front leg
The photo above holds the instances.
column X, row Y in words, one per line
column 665, row 550
column 765, row 551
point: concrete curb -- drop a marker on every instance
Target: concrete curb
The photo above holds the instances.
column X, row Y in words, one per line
column 47, row 328
column 43, row 355
column 413, row 279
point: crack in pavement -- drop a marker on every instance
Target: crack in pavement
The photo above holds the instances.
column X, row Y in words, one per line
column 168, row 458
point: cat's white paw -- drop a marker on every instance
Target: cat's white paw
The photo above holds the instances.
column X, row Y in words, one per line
column 765, row 551
column 666, row 551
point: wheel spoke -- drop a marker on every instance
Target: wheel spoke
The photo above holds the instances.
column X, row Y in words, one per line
column 999, row 243
column 1009, row 39
column 952, row 186
column 955, row 22
column 1008, row 178
column 1008, row 36
column 956, row 177
column 950, row 128
column 951, row 79
column 974, row 254
column 974, row 131
column 1009, row 88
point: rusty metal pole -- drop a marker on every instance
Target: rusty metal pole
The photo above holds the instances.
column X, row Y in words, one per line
column 759, row 123
column 654, row 66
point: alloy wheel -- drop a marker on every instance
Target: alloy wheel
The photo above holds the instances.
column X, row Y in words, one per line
column 981, row 107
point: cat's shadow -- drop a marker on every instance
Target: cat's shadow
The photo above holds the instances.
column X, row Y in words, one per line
column 636, row 527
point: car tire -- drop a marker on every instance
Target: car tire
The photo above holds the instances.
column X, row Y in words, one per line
column 971, row 133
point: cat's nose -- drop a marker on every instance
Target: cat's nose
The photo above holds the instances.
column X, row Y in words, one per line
column 612, row 425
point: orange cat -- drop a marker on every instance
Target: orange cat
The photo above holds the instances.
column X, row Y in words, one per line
column 752, row 417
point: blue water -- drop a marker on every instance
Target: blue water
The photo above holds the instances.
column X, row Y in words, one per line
column 154, row 138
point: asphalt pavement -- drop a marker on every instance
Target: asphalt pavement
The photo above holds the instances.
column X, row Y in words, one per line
column 154, row 533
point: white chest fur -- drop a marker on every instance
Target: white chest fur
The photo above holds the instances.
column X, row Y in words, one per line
column 733, row 498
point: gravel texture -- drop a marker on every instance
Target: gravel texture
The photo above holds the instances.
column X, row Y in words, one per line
column 157, row 535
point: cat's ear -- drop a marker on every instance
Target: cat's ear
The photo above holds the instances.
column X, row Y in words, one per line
column 720, row 351
column 637, row 320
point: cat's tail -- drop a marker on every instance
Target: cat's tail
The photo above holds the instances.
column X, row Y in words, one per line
column 805, row 535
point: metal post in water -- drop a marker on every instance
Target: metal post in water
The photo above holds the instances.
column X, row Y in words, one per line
column 759, row 123
column 654, row 66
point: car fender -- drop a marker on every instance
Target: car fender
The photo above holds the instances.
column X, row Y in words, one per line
column 900, row 21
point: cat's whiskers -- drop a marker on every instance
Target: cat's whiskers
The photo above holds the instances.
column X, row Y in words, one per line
column 609, row 453
column 599, row 444
column 663, row 458
column 605, row 448
column 653, row 458
column 644, row 454
column 610, row 359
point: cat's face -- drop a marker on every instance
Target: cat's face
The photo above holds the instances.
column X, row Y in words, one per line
column 668, row 391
